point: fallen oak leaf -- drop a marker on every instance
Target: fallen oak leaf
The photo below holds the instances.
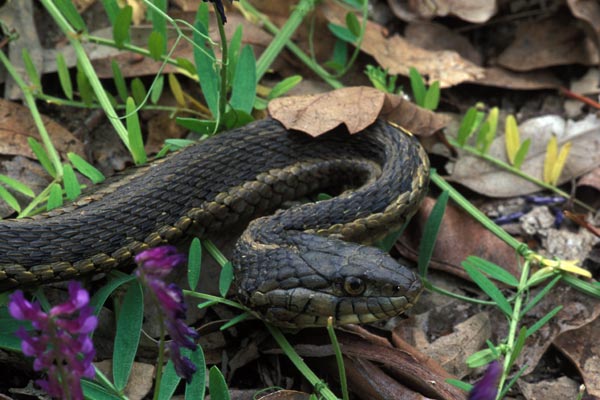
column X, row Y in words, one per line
column 356, row 108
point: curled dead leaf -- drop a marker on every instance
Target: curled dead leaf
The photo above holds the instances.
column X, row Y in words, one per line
column 356, row 108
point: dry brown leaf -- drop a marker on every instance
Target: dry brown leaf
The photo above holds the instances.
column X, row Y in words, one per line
column 546, row 43
column 528, row 80
column 354, row 107
column 482, row 177
column 285, row 395
column 476, row 11
column 451, row 248
column 588, row 11
column 581, row 346
column 16, row 125
column 551, row 389
column 397, row 55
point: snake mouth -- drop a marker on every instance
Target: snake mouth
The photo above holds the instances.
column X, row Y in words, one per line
column 300, row 308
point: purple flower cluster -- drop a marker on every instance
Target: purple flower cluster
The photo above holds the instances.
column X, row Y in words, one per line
column 154, row 265
column 60, row 343
column 487, row 387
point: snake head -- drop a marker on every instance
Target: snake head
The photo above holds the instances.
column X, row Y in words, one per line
column 311, row 278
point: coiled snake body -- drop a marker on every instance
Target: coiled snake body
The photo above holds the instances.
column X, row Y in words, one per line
column 294, row 268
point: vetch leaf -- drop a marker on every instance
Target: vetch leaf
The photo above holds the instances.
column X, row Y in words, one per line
column 119, row 81
column 55, row 197
column 559, row 164
column 121, row 26
column 353, row 24
column 488, row 287
column 68, row 10
column 9, row 199
column 203, row 127
column 42, row 156
column 233, row 53
column 430, row 232
column 196, row 388
column 493, row 270
column 157, row 89
column 522, row 153
column 156, row 45
column 194, row 263
column 518, row 346
column 542, row 321
column 342, row 33
column 169, row 382
column 63, row 76
column 135, row 133
column 176, row 90
column 72, row 187
column 92, row 390
column 244, row 82
column 217, row 385
column 206, row 66
column 32, row 73
column 112, row 10
column 417, row 85
column 83, row 86
column 99, row 298
column 129, row 327
column 284, row 86
column 16, row 185
column 467, row 126
column 550, row 160
column 225, row 278
column 85, row 168
column 138, row 91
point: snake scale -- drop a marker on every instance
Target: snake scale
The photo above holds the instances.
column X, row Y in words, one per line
column 294, row 267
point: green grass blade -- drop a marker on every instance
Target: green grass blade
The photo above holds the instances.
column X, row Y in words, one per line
column 194, row 263
column 85, row 168
column 42, row 156
column 432, row 227
column 10, row 199
column 63, row 76
column 72, row 186
column 16, row 185
column 134, row 132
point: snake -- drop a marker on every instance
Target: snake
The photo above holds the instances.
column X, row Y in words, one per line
column 294, row 266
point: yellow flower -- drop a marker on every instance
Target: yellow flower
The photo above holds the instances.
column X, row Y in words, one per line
column 562, row 265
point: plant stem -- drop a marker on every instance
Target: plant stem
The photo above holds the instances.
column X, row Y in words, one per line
column 88, row 69
column 317, row 69
column 501, row 164
column 224, row 64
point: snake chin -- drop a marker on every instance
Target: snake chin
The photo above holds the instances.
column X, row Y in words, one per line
column 320, row 277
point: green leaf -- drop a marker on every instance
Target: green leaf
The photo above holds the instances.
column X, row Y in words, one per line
column 194, row 263
column 353, row 24
column 156, row 45
column 112, row 10
column 488, row 288
column 540, row 295
column 432, row 97
column 72, row 187
column 121, row 26
column 134, row 133
column 590, row 288
column 32, row 73
column 339, row 58
column 432, row 227
column 186, row 65
column 99, row 298
column 284, row 86
column 460, row 384
column 236, row 118
column 235, row 320
column 493, row 270
column 342, row 33
column 9, row 199
column 542, row 321
column 138, row 91
column 170, row 381
column 42, row 156
column 217, row 385
column 206, row 67
column 235, row 44
column 196, row 388
column 159, row 23
column 127, row 337
column 92, row 390
column 63, row 76
column 512, row 138
column 225, row 278
column 68, row 10
column 480, row 358
column 119, row 81
column 84, row 87
column 518, row 346
column 203, row 127
column 157, row 89
column 417, row 85
column 16, row 185
column 85, row 168
column 522, row 153
column 467, row 126
column 55, row 197
column 488, row 131
column 244, row 82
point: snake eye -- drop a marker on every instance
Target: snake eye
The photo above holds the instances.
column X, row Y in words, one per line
column 354, row 286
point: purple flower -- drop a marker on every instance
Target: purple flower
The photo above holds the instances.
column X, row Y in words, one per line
column 60, row 343
column 220, row 9
column 154, row 265
column 487, row 387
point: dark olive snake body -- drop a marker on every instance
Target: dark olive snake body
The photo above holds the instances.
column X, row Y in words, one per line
column 293, row 268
